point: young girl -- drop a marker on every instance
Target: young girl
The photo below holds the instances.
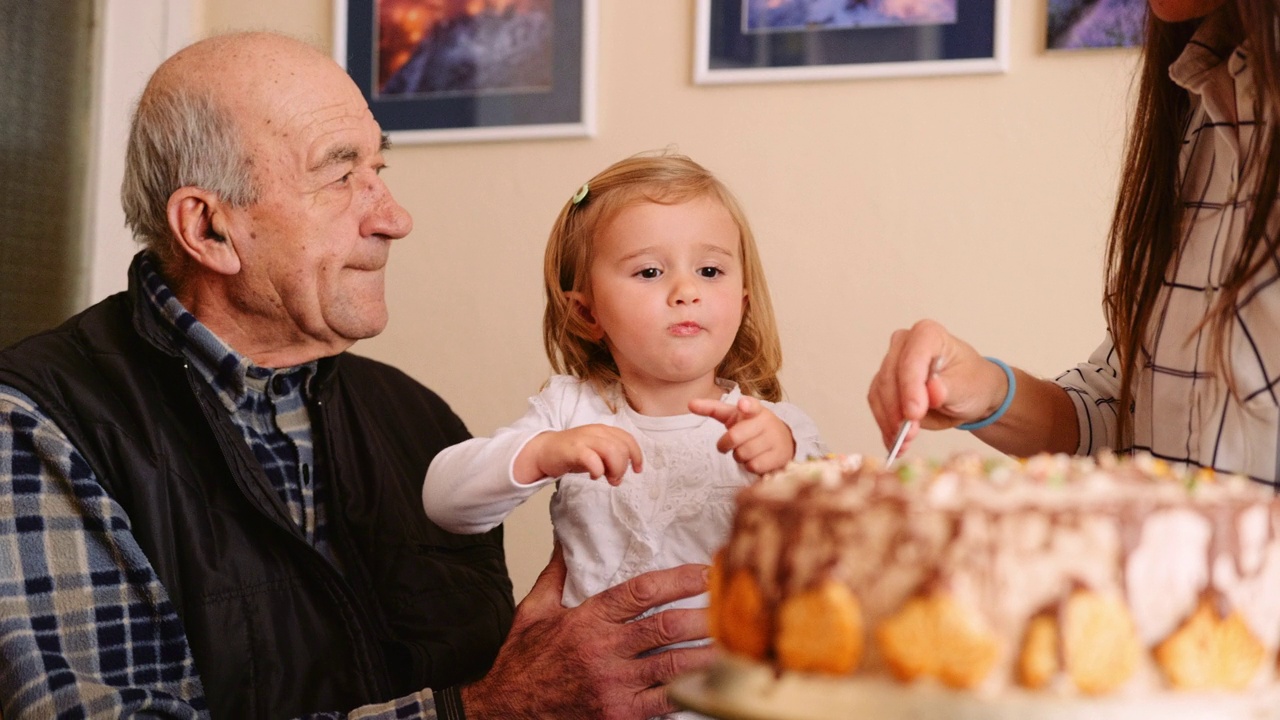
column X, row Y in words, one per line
column 659, row 322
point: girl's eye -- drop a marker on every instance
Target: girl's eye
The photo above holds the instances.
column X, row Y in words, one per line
column 710, row 272
column 649, row 273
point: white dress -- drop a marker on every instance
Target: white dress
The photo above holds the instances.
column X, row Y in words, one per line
column 678, row 510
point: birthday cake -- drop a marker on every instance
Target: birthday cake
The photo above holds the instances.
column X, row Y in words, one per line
column 1054, row 576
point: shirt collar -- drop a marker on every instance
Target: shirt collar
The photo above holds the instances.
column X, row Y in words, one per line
column 233, row 376
column 1213, row 43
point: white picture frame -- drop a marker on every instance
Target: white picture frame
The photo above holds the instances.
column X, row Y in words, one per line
column 728, row 51
column 563, row 107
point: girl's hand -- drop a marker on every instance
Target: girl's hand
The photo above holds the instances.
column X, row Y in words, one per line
column 598, row 450
column 760, row 441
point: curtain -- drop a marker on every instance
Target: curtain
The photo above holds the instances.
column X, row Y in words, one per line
column 47, row 48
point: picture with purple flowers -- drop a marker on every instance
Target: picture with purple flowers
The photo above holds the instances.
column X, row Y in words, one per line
column 749, row 41
column 767, row 15
column 1075, row 24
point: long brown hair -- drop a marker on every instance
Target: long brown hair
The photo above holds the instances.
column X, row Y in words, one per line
column 756, row 355
column 1147, row 224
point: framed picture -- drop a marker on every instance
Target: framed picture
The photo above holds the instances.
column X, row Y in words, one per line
column 742, row 41
column 460, row 71
column 1076, row 24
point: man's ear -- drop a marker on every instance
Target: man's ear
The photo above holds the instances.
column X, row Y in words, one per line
column 197, row 219
column 581, row 306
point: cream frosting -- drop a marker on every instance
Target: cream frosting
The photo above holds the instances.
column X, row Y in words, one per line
column 1013, row 539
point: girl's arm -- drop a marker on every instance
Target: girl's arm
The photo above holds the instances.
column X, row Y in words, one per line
column 600, row 451
column 469, row 487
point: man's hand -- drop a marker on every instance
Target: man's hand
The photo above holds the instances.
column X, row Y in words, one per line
column 586, row 662
column 760, row 441
column 598, row 450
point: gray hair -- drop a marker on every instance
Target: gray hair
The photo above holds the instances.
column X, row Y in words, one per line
column 180, row 137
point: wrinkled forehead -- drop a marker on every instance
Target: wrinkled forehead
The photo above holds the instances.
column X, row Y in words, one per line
column 304, row 110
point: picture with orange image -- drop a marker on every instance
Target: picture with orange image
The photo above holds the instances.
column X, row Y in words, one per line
column 435, row 47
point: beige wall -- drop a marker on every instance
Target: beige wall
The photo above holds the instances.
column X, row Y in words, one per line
column 981, row 201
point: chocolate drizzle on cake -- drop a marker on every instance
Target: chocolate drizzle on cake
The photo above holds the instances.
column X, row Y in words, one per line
column 1006, row 541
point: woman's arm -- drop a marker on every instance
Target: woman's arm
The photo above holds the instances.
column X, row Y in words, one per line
column 934, row 379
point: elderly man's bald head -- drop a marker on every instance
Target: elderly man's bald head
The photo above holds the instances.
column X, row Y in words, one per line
column 241, row 70
column 189, row 128
column 231, row 52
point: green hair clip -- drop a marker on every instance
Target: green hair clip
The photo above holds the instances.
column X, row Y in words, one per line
column 580, row 195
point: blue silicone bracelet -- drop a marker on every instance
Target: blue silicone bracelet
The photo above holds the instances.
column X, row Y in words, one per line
column 1004, row 406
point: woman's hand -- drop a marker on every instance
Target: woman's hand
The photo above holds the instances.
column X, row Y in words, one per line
column 936, row 381
column 933, row 379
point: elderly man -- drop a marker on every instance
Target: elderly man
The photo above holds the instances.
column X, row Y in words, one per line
column 211, row 509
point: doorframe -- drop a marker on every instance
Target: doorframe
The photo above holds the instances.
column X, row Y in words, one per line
column 133, row 37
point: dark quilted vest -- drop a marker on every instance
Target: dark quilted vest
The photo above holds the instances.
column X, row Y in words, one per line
column 276, row 631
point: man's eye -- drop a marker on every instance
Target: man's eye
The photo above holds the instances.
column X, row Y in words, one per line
column 649, row 273
column 710, row 272
column 344, row 179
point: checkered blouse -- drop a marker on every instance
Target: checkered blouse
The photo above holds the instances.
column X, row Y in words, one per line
column 1184, row 409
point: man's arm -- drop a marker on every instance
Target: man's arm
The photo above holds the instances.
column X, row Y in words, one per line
column 86, row 628
column 85, row 624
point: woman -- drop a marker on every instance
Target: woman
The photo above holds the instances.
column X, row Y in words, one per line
column 1190, row 368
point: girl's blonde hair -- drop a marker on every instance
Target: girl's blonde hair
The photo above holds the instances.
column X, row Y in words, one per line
column 667, row 179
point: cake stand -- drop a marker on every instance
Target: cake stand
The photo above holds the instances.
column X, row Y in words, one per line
column 734, row 689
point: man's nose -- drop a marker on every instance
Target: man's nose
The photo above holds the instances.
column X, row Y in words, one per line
column 387, row 217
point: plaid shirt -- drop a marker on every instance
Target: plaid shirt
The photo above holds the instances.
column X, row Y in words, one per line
column 1184, row 409
column 86, row 628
